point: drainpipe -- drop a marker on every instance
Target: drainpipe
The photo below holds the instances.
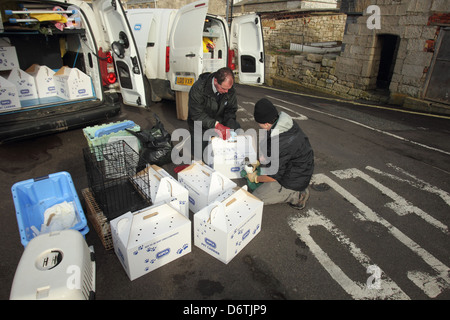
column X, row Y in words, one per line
column 228, row 9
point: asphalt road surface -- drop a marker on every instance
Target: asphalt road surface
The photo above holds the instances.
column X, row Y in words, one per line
column 376, row 225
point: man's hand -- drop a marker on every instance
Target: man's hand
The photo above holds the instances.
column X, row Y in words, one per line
column 222, row 131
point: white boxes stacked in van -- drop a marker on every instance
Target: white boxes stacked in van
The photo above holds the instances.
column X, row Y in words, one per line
column 24, row 83
column 8, row 56
column 9, row 96
column 44, row 79
column 228, row 156
column 164, row 188
column 204, row 184
column 71, row 83
column 224, row 228
column 150, row 238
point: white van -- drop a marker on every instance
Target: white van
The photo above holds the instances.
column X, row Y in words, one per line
column 177, row 45
column 65, row 45
column 93, row 43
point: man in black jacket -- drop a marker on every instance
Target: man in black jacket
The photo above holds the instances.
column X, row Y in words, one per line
column 290, row 181
column 213, row 104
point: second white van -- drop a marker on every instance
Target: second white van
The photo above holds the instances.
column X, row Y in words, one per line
column 177, row 45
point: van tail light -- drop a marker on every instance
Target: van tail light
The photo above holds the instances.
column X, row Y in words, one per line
column 231, row 59
column 111, row 78
column 107, row 68
column 167, row 58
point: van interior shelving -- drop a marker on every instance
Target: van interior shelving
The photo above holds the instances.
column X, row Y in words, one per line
column 43, row 43
column 56, row 80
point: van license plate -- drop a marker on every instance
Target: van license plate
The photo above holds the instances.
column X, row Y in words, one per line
column 184, row 81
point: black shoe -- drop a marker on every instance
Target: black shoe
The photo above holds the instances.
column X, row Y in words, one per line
column 301, row 204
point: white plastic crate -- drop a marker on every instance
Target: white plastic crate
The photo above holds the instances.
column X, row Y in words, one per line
column 55, row 266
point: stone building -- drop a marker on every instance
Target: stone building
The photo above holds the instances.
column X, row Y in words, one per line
column 398, row 47
column 392, row 51
column 215, row 6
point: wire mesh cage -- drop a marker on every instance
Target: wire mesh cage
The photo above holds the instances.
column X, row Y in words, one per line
column 112, row 177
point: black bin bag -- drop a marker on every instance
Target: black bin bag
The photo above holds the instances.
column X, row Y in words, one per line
column 156, row 143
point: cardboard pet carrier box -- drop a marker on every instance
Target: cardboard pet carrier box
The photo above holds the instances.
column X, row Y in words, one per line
column 163, row 188
column 72, row 83
column 224, row 228
column 43, row 77
column 227, row 156
column 150, row 238
column 9, row 96
column 204, row 184
column 8, row 56
column 26, row 86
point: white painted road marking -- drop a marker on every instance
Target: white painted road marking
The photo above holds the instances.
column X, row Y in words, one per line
column 400, row 205
column 419, row 184
column 431, row 284
column 249, row 115
column 357, row 290
column 364, row 126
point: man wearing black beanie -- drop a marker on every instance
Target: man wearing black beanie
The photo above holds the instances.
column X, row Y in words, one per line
column 295, row 159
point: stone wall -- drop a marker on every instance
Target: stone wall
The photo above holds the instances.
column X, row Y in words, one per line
column 358, row 65
column 315, row 72
column 312, row 71
column 414, row 24
column 215, row 6
column 279, row 33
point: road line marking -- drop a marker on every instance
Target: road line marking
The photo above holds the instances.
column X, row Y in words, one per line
column 420, row 184
column 298, row 116
column 400, row 205
column 431, row 285
column 366, row 126
column 301, row 225
column 354, row 102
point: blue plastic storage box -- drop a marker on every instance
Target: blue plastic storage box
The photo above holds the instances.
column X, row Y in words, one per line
column 32, row 197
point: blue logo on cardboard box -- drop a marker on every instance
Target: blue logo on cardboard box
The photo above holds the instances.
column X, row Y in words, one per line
column 235, row 169
column 163, row 253
column 245, row 234
column 82, row 91
column 24, row 91
column 210, row 243
column 137, row 26
column 5, row 102
column 191, row 200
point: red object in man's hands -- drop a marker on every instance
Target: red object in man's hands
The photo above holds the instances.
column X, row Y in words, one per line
column 222, row 131
column 180, row 168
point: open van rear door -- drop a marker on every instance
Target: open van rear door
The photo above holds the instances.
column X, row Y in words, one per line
column 186, row 46
column 247, row 41
column 126, row 57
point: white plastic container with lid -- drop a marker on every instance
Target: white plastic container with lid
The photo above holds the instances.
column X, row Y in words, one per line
column 55, row 266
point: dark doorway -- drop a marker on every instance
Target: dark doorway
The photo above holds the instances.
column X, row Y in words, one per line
column 389, row 46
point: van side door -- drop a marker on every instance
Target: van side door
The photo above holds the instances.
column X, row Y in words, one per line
column 247, row 41
column 186, row 46
column 126, row 56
